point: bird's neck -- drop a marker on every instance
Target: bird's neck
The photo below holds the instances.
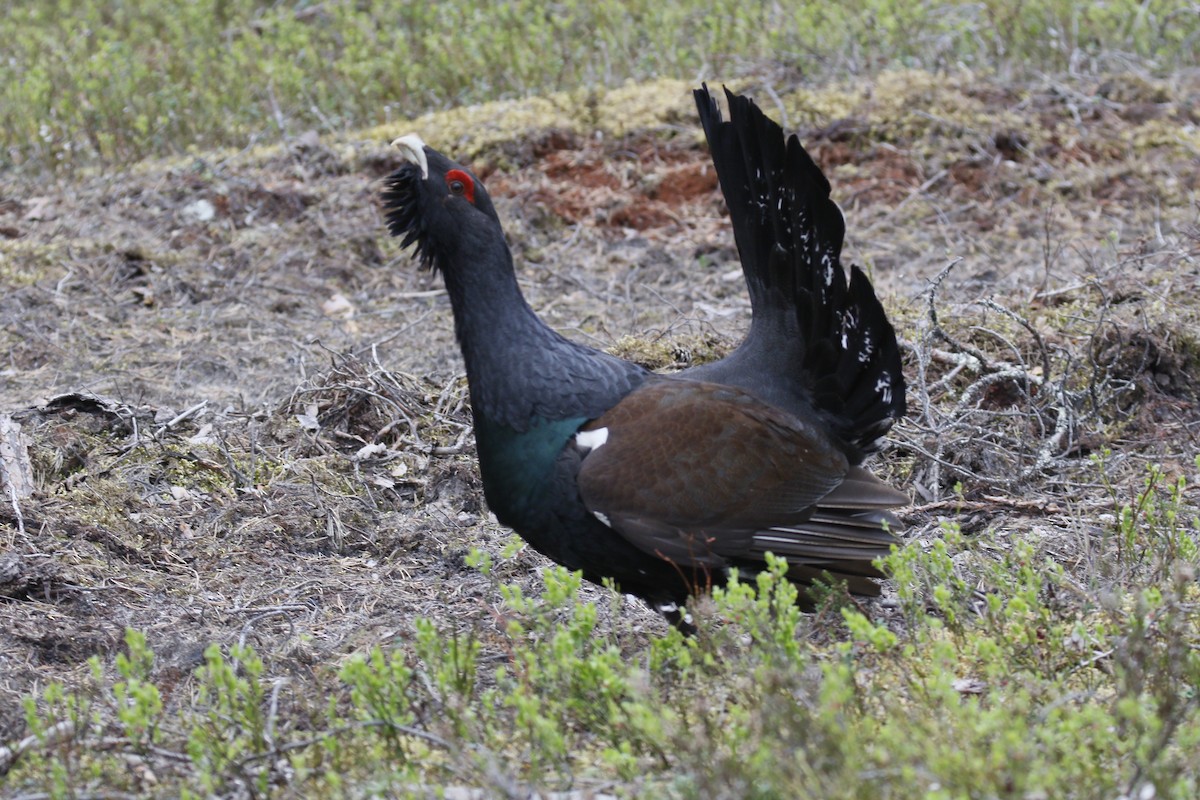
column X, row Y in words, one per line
column 508, row 351
column 523, row 374
column 492, row 321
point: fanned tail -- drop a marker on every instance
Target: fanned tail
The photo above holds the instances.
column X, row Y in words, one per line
column 817, row 342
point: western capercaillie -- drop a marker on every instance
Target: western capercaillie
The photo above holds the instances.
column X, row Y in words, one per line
column 663, row 482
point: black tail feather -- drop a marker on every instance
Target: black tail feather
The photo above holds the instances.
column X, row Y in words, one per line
column 842, row 351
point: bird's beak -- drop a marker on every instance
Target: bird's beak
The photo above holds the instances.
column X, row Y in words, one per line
column 413, row 150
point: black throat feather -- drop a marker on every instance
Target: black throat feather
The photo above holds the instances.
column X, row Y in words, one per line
column 401, row 203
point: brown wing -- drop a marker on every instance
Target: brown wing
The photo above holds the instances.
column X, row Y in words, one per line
column 693, row 471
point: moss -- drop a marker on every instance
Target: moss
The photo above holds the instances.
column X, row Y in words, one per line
column 1165, row 133
column 669, row 354
column 473, row 131
column 25, row 262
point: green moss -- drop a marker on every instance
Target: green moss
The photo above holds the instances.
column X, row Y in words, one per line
column 25, row 262
column 1163, row 133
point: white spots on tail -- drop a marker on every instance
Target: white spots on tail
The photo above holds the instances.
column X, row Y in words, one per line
column 827, row 264
column 849, row 320
column 867, row 352
column 588, row 441
column 600, row 515
column 883, row 388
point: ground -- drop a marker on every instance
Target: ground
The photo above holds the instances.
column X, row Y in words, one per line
column 245, row 410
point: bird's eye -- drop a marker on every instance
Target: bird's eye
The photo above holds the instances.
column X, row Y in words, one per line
column 460, row 184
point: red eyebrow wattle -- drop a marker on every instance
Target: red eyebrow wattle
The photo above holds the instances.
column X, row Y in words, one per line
column 468, row 184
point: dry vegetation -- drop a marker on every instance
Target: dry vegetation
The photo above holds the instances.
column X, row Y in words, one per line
column 246, row 420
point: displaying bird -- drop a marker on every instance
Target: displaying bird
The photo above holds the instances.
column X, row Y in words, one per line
column 662, row 483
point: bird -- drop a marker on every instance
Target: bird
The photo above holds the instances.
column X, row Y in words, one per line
column 664, row 484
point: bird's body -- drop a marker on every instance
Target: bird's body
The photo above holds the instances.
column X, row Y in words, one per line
column 662, row 483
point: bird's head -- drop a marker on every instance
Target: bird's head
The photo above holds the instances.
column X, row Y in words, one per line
column 436, row 204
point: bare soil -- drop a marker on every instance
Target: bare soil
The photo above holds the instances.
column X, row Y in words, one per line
column 244, row 406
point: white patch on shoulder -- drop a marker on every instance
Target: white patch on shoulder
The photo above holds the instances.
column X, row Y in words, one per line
column 600, row 515
column 590, row 440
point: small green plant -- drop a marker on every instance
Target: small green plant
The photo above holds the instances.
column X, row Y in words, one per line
column 138, row 701
column 229, row 732
column 766, row 609
column 61, row 726
column 1155, row 530
column 927, row 578
column 379, row 692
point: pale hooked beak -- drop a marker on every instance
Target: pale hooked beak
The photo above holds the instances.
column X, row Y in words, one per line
column 413, row 150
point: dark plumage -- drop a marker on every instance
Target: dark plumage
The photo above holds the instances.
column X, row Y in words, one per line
column 662, row 483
